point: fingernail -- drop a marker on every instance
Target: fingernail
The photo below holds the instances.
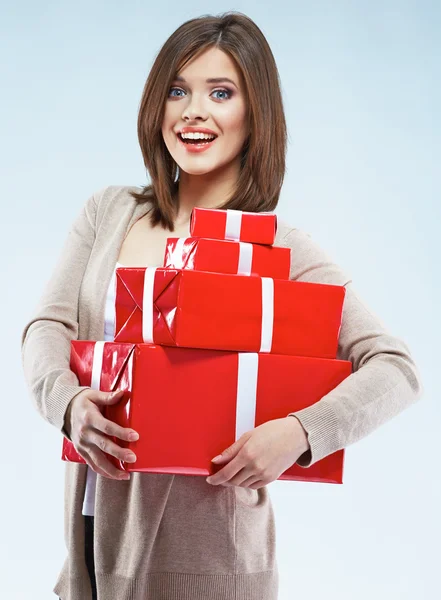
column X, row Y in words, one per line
column 133, row 436
column 130, row 457
column 124, row 476
column 216, row 458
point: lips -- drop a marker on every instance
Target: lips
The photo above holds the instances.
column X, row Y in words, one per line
column 199, row 146
column 201, row 140
column 197, row 130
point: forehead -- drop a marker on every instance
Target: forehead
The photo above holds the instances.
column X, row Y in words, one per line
column 213, row 62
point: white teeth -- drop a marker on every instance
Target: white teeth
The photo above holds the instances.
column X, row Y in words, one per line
column 197, row 136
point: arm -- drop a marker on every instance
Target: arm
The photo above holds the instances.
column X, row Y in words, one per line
column 46, row 337
column 385, row 380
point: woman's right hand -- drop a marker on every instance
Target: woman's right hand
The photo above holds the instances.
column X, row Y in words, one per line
column 89, row 430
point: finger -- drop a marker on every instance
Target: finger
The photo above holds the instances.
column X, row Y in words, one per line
column 228, row 454
column 250, row 481
column 226, row 473
column 108, row 470
column 105, row 398
column 113, row 430
column 245, row 474
column 109, row 447
column 93, row 464
column 256, row 486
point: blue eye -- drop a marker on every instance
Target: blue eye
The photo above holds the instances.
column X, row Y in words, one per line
column 223, row 91
column 172, row 89
column 218, row 91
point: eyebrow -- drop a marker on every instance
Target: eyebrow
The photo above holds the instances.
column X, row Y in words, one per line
column 211, row 80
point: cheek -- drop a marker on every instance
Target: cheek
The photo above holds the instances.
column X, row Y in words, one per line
column 168, row 121
column 235, row 121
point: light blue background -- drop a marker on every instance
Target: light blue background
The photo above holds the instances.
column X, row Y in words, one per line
column 362, row 96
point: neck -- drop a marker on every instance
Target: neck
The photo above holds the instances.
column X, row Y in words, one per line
column 210, row 190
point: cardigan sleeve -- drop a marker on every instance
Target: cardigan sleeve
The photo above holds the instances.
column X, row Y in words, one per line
column 45, row 341
column 385, row 379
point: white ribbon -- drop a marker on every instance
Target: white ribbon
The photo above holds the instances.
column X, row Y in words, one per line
column 147, row 305
column 97, row 365
column 266, row 341
column 88, row 507
column 245, row 258
column 244, row 264
column 233, row 224
column 247, row 374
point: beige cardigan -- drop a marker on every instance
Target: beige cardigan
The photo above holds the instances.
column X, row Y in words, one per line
column 175, row 537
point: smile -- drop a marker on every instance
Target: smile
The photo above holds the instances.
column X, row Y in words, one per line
column 192, row 145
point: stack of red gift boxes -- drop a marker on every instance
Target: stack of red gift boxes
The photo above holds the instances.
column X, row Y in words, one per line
column 213, row 344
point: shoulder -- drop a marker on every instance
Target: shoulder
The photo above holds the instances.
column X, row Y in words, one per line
column 115, row 196
column 111, row 202
column 309, row 261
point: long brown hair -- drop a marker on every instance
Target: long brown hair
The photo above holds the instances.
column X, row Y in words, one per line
column 263, row 157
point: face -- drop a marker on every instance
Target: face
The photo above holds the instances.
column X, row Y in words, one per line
column 195, row 103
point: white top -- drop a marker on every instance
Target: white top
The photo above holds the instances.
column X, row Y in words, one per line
column 109, row 333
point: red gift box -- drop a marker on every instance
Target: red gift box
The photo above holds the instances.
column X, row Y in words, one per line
column 90, row 362
column 225, row 256
column 69, row 454
column 196, row 309
column 238, row 225
column 189, row 405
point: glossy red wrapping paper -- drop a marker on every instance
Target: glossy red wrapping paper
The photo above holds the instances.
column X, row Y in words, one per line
column 115, row 375
column 183, row 403
column 225, row 256
column 257, row 228
column 196, row 309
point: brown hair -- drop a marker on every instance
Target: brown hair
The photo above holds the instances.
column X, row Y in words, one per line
column 263, row 157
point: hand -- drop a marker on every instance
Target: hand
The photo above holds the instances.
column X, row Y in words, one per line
column 261, row 455
column 85, row 426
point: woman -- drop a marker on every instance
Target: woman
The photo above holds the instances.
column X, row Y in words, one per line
column 170, row 537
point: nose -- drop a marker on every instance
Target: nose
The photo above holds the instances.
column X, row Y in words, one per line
column 194, row 109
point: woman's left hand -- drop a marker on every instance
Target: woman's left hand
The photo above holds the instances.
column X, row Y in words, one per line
column 262, row 454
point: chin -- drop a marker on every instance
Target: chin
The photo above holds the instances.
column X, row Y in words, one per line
column 198, row 169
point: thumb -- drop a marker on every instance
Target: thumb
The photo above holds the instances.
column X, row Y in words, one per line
column 105, row 398
column 231, row 451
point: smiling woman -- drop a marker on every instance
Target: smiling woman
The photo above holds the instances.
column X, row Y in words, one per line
column 214, row 75
column 212, row 133
column 224, row 120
